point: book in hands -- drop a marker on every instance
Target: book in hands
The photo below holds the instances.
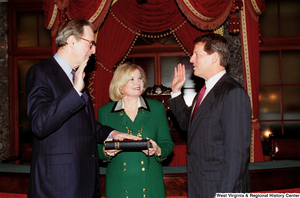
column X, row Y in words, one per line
column 128, row 145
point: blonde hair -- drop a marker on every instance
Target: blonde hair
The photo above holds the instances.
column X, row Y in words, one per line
column 121, row 77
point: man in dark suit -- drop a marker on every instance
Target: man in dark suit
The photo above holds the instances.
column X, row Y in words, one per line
column 64, row 156
column 219, row 132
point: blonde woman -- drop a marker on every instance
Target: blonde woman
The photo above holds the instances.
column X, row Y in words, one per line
column 137, row 173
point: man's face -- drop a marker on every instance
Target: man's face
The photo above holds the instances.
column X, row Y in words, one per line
column 201, row 61
column 84, row 49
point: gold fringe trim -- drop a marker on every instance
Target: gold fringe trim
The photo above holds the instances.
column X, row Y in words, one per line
column 90, row 86
column 53, row 17
column 257, row 10
column 199, row 20
column 119, row 21
column 144, row 35
column 187, row 2
column 247, row 72
column 219, row 30
column 99, row 10
column 129, row 50
column 180, row 44
column 103, row 67
column 252, row 147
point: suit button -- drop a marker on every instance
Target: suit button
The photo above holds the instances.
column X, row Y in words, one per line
column 143, row 169
column 124, row 169
column 188, row 153
column 93, row 155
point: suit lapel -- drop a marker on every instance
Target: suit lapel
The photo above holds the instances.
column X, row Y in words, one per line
column 61, row 76
column 203, row 109
column 65, row 84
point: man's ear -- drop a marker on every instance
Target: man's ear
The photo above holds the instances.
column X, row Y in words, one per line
column 215, row 57
column 71, row 40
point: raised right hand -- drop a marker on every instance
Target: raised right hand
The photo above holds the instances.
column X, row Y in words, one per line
column 79, row 76
column 179, row 78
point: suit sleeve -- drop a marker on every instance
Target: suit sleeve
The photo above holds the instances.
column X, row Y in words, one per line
column 102, row 132
column 164, row 140
column 236, row 127
column 101, row 118
column 46, row 112
column 181, row 111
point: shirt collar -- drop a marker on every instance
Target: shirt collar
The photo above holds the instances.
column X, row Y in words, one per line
column 142, row 104
column 65, row 66
column 213, row 80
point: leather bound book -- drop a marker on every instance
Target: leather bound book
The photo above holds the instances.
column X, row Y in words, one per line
column 128, row 145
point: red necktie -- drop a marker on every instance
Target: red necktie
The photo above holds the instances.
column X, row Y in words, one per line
column 199, row 99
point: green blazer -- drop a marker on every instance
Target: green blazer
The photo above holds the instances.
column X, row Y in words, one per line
column 133, row 174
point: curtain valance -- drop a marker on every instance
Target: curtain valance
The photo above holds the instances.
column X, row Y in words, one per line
column 206, row 14
column 154, row 16
column 57, row 12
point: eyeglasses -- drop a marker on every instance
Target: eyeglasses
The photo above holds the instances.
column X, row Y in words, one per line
column 91, row 43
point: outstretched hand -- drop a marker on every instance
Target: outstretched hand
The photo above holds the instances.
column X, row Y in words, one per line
column 119, row 136
column 179, row 78
column 79, row 76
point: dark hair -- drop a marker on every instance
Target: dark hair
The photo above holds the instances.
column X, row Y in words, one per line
column 215, row 43
column 73, row 27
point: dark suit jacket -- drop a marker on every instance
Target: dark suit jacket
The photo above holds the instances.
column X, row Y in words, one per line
column 64, row 157
column 218, row 140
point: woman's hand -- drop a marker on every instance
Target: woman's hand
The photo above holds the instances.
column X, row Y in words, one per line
column 110, row 152
column 155, row 150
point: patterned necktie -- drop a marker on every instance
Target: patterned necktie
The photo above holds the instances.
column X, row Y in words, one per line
column 84, row 94
column 199, row 99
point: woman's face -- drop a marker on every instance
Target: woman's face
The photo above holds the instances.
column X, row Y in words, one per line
column 134, row 87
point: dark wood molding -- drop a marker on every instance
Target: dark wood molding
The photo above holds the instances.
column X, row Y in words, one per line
column 280, row 43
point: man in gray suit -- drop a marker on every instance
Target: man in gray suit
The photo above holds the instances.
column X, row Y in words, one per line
column 219, row 130
column 64, row 154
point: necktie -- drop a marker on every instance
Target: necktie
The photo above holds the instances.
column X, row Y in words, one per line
column 84, row 94
column 199, row 99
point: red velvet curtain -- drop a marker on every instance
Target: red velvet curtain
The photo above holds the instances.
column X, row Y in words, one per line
column 124, row 23
column 251, row 62
column 206, row 14
column 153, row 16
column 130, row 18
column 113, row 41
column 187, row 34
column 58, row 11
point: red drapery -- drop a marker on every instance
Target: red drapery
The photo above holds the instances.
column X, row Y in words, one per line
column 113, row 41
column 250, row 52
column 206, row 14
column 127, row 19
column 123, row 24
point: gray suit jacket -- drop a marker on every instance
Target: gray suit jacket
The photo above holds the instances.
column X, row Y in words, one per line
column 64, row 156
column 218, row 140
